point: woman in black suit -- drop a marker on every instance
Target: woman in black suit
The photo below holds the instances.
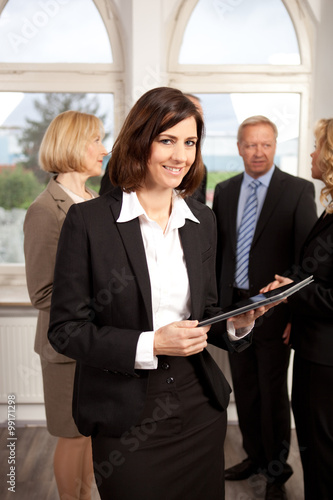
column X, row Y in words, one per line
column 312, row 334
column 134, row 273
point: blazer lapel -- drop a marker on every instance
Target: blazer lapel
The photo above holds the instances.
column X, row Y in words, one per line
column 132, row 239
column 319, row 227
column 63, row 201
column 274, row 192
column 231, row 207
column 191, row 248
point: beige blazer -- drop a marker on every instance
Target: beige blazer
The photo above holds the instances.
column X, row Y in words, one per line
column 42, row 226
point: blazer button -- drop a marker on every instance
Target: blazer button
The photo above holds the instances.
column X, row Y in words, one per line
column 165, row 366
column 170, row 380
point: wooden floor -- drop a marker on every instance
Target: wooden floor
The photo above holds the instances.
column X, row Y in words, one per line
column 254, row 487
column 34, row 475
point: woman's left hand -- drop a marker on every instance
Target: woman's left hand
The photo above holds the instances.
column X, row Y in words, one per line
column 248, row 318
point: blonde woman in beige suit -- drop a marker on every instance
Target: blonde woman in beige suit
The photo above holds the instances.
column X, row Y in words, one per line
column 73, row 151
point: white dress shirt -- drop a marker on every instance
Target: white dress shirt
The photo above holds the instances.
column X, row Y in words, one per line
column 261, row 196
column 171, row 300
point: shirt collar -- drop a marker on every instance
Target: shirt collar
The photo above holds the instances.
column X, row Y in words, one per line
column 264, row 179
column 131, row 209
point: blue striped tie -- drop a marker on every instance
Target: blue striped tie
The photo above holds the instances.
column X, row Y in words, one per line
column 245, row 235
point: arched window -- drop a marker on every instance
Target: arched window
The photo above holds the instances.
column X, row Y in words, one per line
column 55, row 55
column 53, row 32
column 244, row 58
column 239, row 32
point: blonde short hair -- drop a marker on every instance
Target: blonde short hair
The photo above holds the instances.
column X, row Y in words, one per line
column 256, row 120
column 324, row 142
column 65, row 141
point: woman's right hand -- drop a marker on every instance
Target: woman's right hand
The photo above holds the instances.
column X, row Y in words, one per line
column 181, row 338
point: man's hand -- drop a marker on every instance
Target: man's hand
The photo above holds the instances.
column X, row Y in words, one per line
column 279, row 281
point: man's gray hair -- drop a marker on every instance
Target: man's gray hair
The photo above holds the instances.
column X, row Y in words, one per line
column 256, row 120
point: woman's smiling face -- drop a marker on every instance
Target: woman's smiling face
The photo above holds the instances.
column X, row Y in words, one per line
column 172, row 154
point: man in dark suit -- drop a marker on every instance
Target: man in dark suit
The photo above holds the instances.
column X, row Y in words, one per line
column 283, row 216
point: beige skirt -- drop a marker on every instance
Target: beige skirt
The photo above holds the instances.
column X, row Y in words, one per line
column 58, row 382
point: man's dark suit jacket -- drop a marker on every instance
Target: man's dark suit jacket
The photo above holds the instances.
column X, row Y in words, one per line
column 286, row 218
column 102, row 302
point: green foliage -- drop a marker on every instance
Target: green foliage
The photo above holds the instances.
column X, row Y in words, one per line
column 214, row 178
column 94, row 183
column 18, row 188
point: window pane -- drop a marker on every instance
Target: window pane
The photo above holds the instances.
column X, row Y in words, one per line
column 224, row 113
column 239, row 32
column 53, row 31
column 23, row 121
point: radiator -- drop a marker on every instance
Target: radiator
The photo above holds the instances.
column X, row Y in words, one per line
column 20, row 365
column 20, row 370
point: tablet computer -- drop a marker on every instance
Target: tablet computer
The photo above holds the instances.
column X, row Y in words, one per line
column 262, row 299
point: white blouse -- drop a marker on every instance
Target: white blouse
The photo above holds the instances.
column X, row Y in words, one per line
column 171, row 300
column 169, row 282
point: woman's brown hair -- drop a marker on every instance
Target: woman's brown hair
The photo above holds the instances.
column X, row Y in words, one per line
column 156, row 111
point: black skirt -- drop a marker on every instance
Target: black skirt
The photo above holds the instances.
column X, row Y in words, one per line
column 175, row 452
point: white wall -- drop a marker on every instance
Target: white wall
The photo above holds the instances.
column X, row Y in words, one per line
column 144, row 36
column 323, row 64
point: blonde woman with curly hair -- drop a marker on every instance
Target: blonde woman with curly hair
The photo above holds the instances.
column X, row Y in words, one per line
column 312, row 333
column 322, row 161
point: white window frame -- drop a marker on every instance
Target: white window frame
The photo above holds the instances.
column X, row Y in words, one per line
column 76, row 77
column 219, row 78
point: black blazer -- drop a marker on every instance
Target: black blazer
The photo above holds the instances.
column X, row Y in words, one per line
column 287, row 216
column 312, row 307
column 102, row 302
